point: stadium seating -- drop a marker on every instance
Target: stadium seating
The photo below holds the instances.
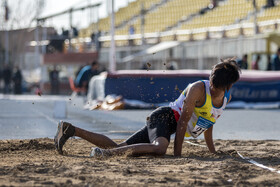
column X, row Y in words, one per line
column 269, row 14
column 167, row 15
column 174, row 15
column 122, row 15
column 229, row 12
column 264, row 15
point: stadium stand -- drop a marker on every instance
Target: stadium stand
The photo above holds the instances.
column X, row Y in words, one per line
column 272, row 13
column 166, row 19
column 167, row 15
column 228, row 12
column 123, row 15
column 268, row 17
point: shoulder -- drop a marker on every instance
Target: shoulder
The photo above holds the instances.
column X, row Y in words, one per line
column 195, row 95
column 198, row 86
column 196, row 89
column 85, row 68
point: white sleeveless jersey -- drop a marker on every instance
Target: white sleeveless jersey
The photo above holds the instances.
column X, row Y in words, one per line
column 203, row 117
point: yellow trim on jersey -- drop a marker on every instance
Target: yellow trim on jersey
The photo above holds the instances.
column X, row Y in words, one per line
column 203, row 111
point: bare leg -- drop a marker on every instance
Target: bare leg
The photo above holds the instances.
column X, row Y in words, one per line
column 158, row 147
column 95, row 138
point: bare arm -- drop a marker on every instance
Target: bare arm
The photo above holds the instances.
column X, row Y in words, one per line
column 192, row 97
column 209, row 140
column 208, row 136
column 182, row 127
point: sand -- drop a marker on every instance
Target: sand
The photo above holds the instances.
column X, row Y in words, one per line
column 36, row 163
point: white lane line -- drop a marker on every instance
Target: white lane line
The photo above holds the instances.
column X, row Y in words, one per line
column 257, row 164
column 244, row 158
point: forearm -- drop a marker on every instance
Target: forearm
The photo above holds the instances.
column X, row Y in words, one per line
column 210, row 145
column 209, row 140
column 179, row 138
column 193, row 95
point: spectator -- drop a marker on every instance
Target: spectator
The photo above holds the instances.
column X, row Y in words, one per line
column 98, row 43
column 85, row 75
column 269, row 4
column 269, row 63
column 243, row 63
column 92, row 37
column 172, row 65
column 276, row 61
column 7, row 76
column 131, row 30
column 255, row 64
column 54, row 79
column 213, row 4
column 17, row 79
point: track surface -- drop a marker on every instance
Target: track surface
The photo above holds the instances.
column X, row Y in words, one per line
column 26, row 117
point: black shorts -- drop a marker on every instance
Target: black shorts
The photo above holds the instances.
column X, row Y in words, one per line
column 160, row 123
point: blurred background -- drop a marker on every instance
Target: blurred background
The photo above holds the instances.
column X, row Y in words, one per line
column 45, row 43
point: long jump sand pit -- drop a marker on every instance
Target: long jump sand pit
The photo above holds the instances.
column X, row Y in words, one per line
column 35, row 163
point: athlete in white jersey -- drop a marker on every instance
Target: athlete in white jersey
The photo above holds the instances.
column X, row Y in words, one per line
column 203, row 116
column 194, row 112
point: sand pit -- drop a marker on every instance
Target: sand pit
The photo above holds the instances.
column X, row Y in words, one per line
column 35, row 162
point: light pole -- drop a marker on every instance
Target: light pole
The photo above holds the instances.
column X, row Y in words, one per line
column 112, row 65
column 6, row 33
column 143, row 12
column 255, row 17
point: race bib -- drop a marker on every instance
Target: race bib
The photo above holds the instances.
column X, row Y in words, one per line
column 202, row 125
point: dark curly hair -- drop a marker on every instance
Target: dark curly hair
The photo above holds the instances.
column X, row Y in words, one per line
column 225, row 73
